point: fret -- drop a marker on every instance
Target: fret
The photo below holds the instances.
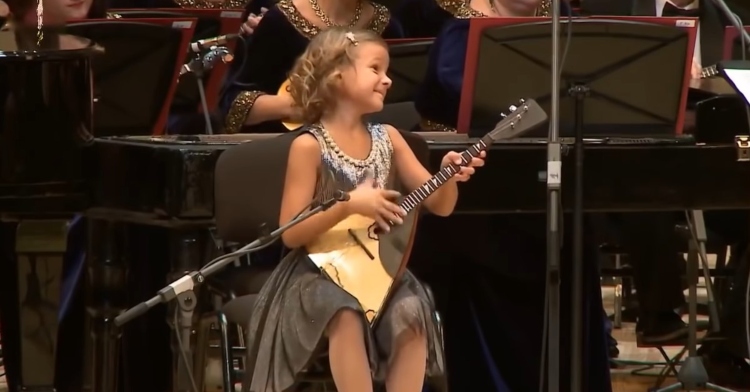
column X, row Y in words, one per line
column 508, row 123
column 416, row 197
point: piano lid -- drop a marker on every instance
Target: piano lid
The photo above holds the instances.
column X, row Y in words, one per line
column 188, row 140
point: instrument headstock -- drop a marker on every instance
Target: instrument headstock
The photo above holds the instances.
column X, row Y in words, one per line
column 521, row 118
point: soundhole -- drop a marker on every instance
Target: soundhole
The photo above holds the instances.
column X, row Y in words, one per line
column 374, row 231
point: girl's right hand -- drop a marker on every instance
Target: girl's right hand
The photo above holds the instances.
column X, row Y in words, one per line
column 376, row 203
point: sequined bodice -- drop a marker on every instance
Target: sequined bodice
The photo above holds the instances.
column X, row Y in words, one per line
column 339, row 171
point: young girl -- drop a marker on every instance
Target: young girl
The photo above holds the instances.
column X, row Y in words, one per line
column 339, row 78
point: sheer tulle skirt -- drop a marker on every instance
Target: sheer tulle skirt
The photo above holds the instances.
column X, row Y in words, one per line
column 287, row 330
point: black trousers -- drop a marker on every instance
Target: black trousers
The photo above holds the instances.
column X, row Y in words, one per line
column 734, row 228
column 653, row 246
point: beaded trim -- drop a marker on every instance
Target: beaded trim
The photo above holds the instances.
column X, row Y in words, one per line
column 462, row 9
column 239, row 110
column 213, row 4
column 358, row 163
column 379, row 20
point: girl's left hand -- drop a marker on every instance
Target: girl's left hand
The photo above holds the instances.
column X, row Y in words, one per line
column 466, row 169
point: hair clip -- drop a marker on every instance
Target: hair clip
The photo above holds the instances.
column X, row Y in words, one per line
column 350, row 37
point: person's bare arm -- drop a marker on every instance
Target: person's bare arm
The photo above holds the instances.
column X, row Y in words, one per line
column 299, row 189
column 268, row 108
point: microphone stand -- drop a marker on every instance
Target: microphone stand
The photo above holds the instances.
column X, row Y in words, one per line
column 554, row 182
column 199, row 66
column 183, row 290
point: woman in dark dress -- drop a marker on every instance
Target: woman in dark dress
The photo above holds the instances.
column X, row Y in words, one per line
column 424, row 18
column 248, row 100
column 490, row 289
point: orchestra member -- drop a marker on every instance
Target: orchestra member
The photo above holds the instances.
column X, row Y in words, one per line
column 251, row 20
column 249, row 100
column 709, row 44
column 424, row 18
column 59, row 11
column 489, row 283
column 254, row 11
column 4, row 10
column 340, row 78
column 437, row 100
column 649, row 238
column 78, row 9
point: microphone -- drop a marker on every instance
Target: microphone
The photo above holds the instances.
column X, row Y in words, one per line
column 203, row 44
column 207, row 62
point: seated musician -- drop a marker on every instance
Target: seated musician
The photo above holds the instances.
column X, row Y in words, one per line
column 249, row 101
column 438, row 99
column 72, row 10
column 61, row 11
column 424, row 18
column 649, row 238
column 4, row 15
column 340, row 78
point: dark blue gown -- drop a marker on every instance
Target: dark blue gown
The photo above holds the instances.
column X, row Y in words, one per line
column 438, row 98
column 424, row 18
column 489, row 281
column 280, row 38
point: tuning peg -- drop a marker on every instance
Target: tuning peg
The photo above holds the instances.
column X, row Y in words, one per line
column 513, row 108
column 521, row 101
column 503, row 115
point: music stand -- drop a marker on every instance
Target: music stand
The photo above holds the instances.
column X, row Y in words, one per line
column 621, row 100
column 733, row 43
column 136, row 76
column 211, row 23
column 737, row 74
column 607, row 94
column 407, row 69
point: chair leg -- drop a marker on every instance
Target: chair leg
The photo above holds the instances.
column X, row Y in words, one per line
column 227, row 363
column 720, row 280
column 617, row 322
column 241, row 341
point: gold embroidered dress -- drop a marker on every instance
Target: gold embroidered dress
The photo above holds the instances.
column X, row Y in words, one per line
column 438, row 98
column 269, row 55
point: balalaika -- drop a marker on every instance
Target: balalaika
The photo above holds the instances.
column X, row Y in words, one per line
column 364, row 261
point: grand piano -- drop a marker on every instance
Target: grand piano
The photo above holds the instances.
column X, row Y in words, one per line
column 45, row 127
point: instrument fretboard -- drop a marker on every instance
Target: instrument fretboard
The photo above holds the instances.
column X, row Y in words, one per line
column 416, row 197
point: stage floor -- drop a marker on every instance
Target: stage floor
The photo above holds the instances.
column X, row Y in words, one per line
column 622, row 380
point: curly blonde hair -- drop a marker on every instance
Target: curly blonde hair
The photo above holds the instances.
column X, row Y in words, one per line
column 312, row 82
